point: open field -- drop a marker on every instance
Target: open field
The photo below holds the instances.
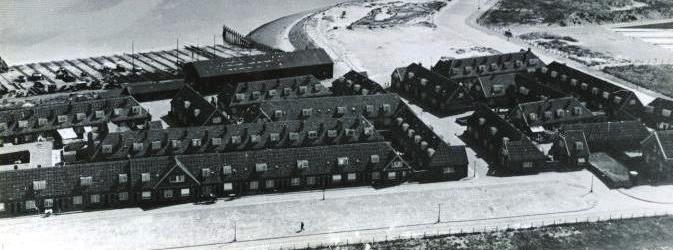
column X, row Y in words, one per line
column 655, row 77
column 571, row 12
column 639, row 233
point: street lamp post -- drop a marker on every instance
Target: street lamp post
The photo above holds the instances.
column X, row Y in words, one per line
column 234, row 231
column 439, row 212
column 591, row 190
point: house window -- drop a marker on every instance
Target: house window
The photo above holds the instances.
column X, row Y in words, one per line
column 386, row 108
column 254, row 138
column 99, row 114
column 392, row 175
column 270, row 183
column 30, row 204
column 527, row 164
column 351, row 176
column 145, row 177
column 123, row 196
column 274, row 137
column 295, row 181
column 302, row 163
column 177, row 179
column 236, row 139
column 2, row 207
column 146, row 195
column 579, row 145
column 217, row 120
column 332, row 133
column 336, row 178
column 342, row 161
column 310, row 180
column 278, row 114
column 85, row 181
column 581, row 160
column 184, row 192
column 449, row 170
column 375, row 158
column 205, row 172
column 77, row 200
column 226, row 170
column 95, row 198
column 39, row 185
column 341, row 110
column 196, row 142
column 123, row 178
column 228, row 186
column 376, row 175
column 312, row 134
column 261, row 167
column 666, row 113
column 48, row 202
column 254, row 185
column 216, row 141
column 62, row 118
column 168, row 193
column 306, row 112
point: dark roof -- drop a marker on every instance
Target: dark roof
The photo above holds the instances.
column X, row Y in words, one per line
column 123, row 143
column 661, row 103
column 582, row 76
column 188, row 100
column 569, row 141
column 492, row 119
column 262, row 62
column 622, row 134
column 277, row 89
column 327, row 107
column 322, row 160
column 554, row 111
column 491, row 64
column 489, row 84
column 524, row 150
column 356, row 83
column 665, row 141
column 117, row 109
column 150, row 87
column 418, row 73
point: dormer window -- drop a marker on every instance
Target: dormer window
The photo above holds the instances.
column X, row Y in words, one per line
column 369, row 109
column 606, row 95
column 666, row 112
column 106, row 148
column 274, row 137
column 42, row 122
column 302, row 90
column 369, row 131
column 40, row 185
column 577, row 110
column 254, row 138
column 217, row 120
column 294, row 136
column 342, row 161
column 122, row 178
column 579, row 145
column 85, row 181
column 175, row 143
column 287, row 91
column 239, row 97
column 341, row 110
column 349, row 132
column 187, row 104
column 573, row 82
column 196, row 142
column 617, row 100
column 137, row 146
column 80, row 116
column 584, row 86
column 594, row 91
column 62, row 118
column 374, row 159
column 205, row 172
column 272, row 93
column 498, row 89
column 278, row 114
column 137, row 110
column 560, row 113
column 548, row 115
column 261, row 167
column 177, row 179
column 99, row 114
column 235, row 139
column 553, row 74
column 386, row 108
column 23, row 124
column 156, row 145
column 312, row 134
column 532, row 116
column 197, row 112
column 332, row 133
column 226, row 170
column 302, row 164
column 256, row 95
column 118, row 111
column 306, row 112
column 216, row 141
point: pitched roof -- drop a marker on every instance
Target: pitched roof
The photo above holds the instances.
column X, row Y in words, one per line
column 575, row 143
column 262, row 62
column 188, row 100
column 665, row 141
column 322, row 160
column 490, row 64
column 305, row 86
column 418, row 73
column 617, row 134
column 491, row 83
column 356, row 83
column 327, row 107
column 45, row 117
column 235, row 137
column 553, row 111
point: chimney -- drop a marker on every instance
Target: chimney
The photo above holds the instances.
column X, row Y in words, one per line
column 424, row 145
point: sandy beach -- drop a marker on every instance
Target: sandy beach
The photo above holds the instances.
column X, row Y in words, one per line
column 35, row 30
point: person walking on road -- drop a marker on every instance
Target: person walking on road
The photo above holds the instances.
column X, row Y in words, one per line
column 301, row 227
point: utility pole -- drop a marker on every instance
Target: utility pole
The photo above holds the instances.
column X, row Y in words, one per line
column 591, row 190
column 133, row 57
column 177, row 54
column 214, row 38
column 234, row 231
column 439, row 212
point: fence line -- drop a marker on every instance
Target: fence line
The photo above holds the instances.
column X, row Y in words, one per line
column 469, row 230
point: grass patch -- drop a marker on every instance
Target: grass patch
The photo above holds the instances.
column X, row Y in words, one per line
column 658, row 78
column 639, row 233
column 569, row 12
